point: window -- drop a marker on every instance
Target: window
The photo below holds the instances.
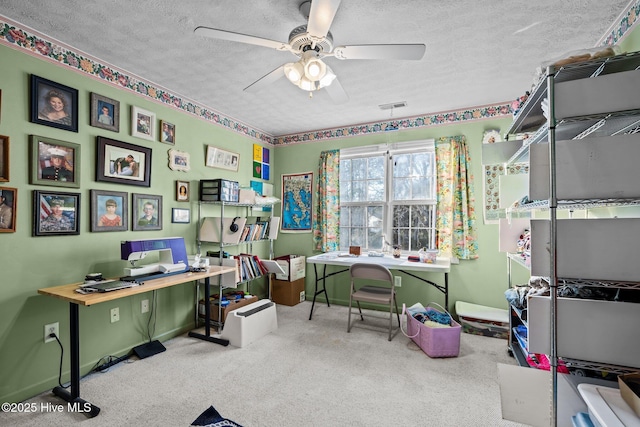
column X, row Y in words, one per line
column 388, row 193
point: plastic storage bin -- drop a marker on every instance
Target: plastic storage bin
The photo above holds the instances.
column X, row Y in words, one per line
column 435, row 342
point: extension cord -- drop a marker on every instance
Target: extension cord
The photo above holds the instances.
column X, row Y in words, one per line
column 111, row 363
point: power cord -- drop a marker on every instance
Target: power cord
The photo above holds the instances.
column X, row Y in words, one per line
column 52, row 335
column 152, row 315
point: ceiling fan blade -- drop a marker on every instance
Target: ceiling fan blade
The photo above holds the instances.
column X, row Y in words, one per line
column 241, row 38
column 336, row 92
column 381, row 51
column 265, row 80
column 321, row 16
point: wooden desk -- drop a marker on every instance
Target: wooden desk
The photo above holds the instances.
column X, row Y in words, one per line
column 75, row 299
column 442, row 265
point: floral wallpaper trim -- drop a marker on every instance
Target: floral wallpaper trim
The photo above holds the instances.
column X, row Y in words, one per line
column 622, row 27
column 36, row 44
column 443, row 118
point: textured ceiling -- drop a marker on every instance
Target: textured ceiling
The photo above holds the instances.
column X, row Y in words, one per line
column 478, row 52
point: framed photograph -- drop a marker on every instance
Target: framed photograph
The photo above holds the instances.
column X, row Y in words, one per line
column 53, row 104
column 122, row 163
column 167, row 132
column 179, row 160
column 0, row 105
column 109, row 210
column 222, row 159
column 182, row 191
column 179, row 215
column 147, row 212
column 4, row 158
column 105, row 113
column 143, row 123
column 54, row 162
column 55, row 213
column 8, row 204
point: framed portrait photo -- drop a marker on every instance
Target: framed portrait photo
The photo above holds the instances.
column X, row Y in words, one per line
column 146, row 212
column 222, row 159
column 143, row 123
column 182, row 191
column 179, row 160
column 8, row 204
column 53, row 104
column 55, row 213
column 4, row 158
column 109, row 211
column 54, row 162
column 180, row 216
column 122, row 163
column 105, row 113
column 167, row 132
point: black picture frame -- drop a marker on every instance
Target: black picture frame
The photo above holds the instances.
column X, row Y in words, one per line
column 4, row 158
column 98, row 103
column 111, row 168
column 101, row 200
column 180, row 215
column 44, row 94
column 139, row 203
column 56, row 213
column 54, row 162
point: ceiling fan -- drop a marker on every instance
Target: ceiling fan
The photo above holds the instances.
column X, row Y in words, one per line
column 311, row 43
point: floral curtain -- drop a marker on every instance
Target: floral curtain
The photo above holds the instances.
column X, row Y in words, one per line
column 455, row 213
column 326, row 219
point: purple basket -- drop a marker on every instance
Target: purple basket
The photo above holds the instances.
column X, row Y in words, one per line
column 435, row 342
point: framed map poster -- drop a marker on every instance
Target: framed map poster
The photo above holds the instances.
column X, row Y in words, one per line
column 297, row 209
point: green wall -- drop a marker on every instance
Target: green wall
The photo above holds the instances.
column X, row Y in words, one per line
column 28, row 263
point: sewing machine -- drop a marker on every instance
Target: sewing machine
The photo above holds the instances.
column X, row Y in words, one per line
column 172, row 256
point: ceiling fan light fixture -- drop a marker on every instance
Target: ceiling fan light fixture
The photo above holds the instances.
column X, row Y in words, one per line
column 314, row 69
column 294, row 72
column 306, row 84
column 327, row 79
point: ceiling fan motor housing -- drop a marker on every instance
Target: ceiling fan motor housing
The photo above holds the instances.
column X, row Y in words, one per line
column 300, row 41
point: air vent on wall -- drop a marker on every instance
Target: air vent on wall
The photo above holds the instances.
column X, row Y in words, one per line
column 393, row 105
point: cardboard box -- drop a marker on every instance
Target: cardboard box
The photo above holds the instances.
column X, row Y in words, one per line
column 287, row 293
column 233, row 305
column 294, row 267
column 626, row 382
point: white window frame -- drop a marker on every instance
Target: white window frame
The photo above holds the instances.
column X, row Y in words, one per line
column 389, row 150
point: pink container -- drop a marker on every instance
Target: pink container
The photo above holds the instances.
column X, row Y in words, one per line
column 435, row 342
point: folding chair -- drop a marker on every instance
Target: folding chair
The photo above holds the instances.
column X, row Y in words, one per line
column 383, row 292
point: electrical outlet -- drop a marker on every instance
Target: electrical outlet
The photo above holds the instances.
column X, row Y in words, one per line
column 144, row 305
column 115, row 314
column 397, row 281
column 51, row 328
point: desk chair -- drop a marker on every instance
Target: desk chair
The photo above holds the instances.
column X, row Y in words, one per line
column 383, row 292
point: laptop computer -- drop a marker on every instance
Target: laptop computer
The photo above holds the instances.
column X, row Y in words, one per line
column 107, row 286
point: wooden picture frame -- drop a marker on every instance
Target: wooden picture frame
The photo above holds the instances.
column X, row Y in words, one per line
column 105, row 113
column 167, row 132
column 122, row 163
column 4, row 158
column 180, row 215
column 54, row 162
column 8, row 206
column 143, row 123
column 182, row 191
column 56, row 213
column 146, row 212
column 222, row 159
column 109, row 211
column 53, row 104
column 179, row 160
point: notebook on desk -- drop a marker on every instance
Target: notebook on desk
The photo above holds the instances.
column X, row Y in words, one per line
column 107, row 286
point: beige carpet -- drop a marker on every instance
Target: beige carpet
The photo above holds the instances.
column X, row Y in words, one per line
column 307, row 373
